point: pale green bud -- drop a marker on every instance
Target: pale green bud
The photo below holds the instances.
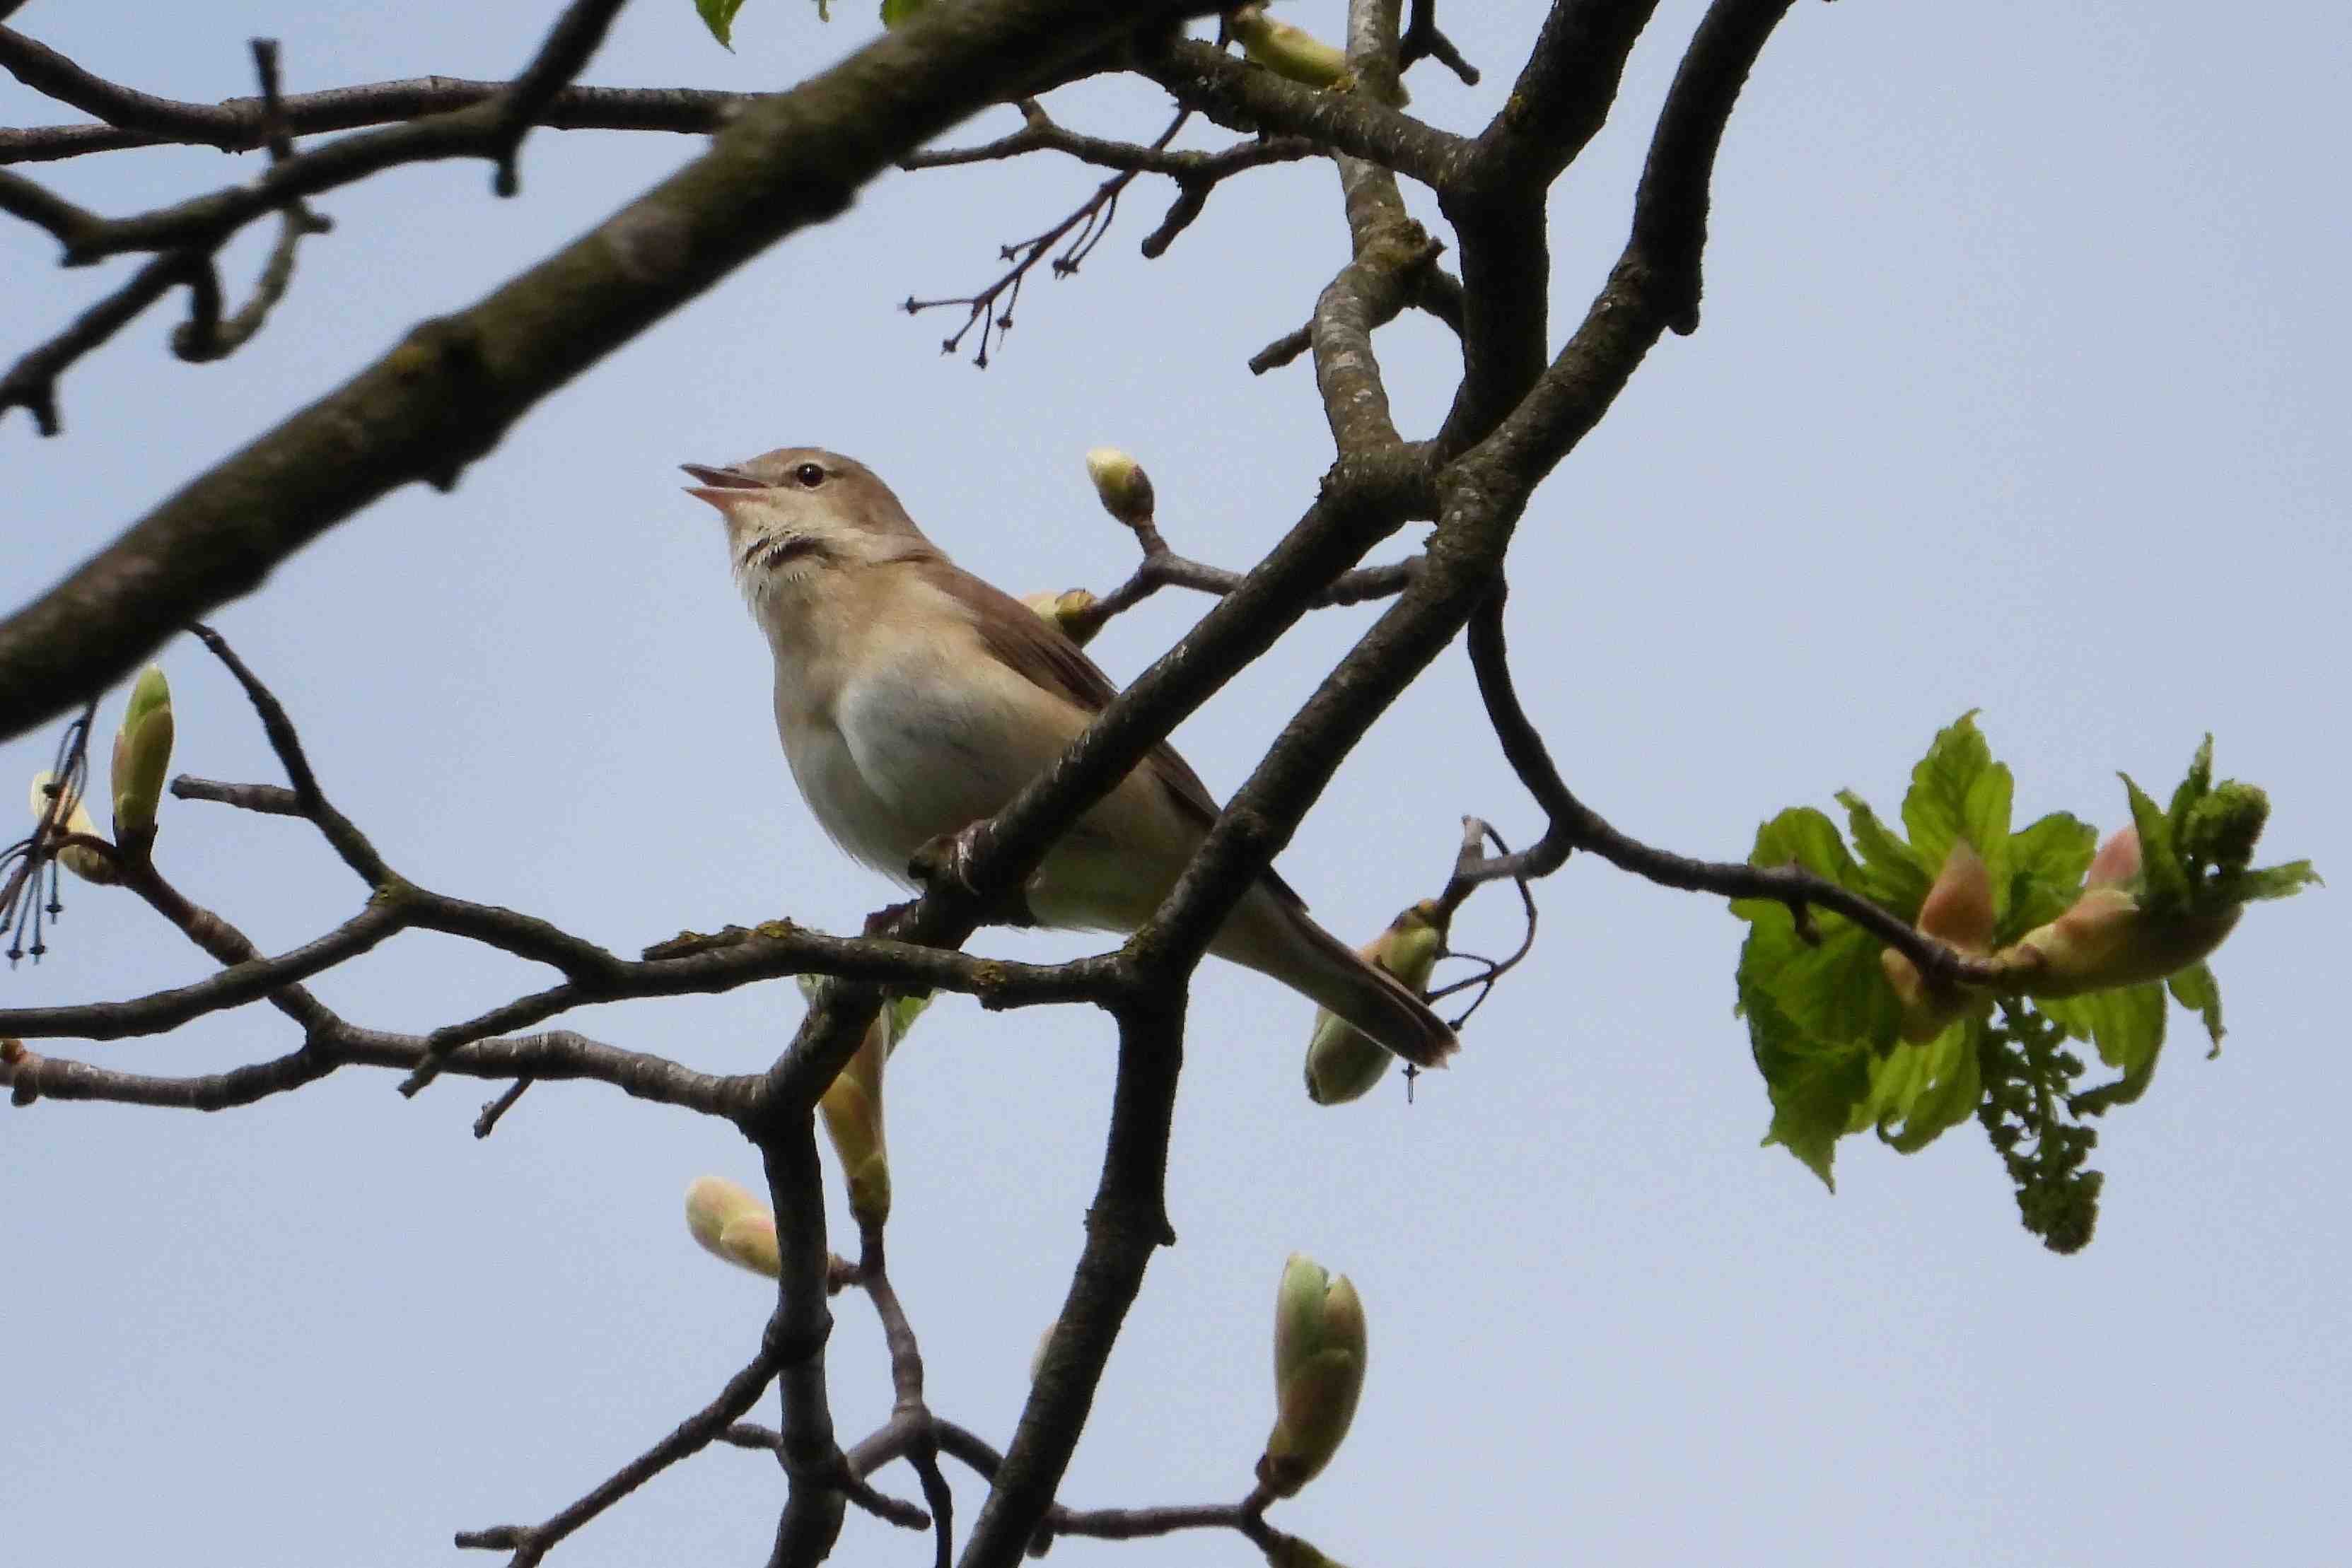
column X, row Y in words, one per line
column 732, row 1224
column 1343, row 1062
column 1121, row 485
column 853, row 1119
column 84, row 862
column 852, row 1106
column 142, row 754
column 1286, row 51
column 1318, row 1374
column 1067, row 610
column 2223, row 826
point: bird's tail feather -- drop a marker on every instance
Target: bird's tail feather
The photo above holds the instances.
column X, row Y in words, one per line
column 1282, row 941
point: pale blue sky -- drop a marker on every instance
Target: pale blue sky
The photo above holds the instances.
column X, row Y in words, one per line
column 2020, row 387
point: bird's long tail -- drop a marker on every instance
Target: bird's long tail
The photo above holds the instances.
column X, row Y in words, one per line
column 1276, row 937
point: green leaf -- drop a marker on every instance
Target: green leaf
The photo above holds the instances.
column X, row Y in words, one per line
column 718, row 16
column 896, row 10
column 2127, row 1025
column 1816, row 1090
column 1891, row 872
column 1919, row 1091
column 1959, row 791
column 1801, row 836
column 2159, row 854
column 2047, row 862
column 2271, row 881
column 2193, row 788
column 2196, row 990
column 902, row 1012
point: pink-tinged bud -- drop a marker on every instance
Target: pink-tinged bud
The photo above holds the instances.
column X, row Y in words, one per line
column 1318, row 1374
column 1958, row 913
column 1343, row 1063
column 2107, row 940
column 730, row 1223
column 2117, row 861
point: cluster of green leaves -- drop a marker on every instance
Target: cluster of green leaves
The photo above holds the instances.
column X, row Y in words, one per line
column 718, row 16
column 1825, row 1022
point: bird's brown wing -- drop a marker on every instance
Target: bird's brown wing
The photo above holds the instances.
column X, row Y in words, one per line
column 1042, row 653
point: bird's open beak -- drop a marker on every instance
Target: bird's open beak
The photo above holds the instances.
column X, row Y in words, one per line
column 720, row 486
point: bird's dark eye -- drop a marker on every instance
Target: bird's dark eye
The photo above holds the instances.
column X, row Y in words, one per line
column 809, row 476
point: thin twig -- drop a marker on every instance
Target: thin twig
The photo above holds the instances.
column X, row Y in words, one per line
column 1433, row 291
column 31, row 382
column 531, row 1543
column 1083, row 230
column 1464, row 881
column 1574, row 826
column 1423, row 41
column 205, row 336
column 1163, row 568
column 487, row 1122
column 857, row 1489
column 563, row 54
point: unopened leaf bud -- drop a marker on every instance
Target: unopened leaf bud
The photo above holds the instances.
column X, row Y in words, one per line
column 1293, row 52
column 2223, row 826
column 2107, row 940
column 142, row 754
column 730, row 1223
column 852, row 1106
column 1289, row 1551
column 1343, row 1062
column 1958, row 913
column 82, row 861
column 1318, row 1374
column 1067, row 610
column 1121, row 485
column 2117, row 861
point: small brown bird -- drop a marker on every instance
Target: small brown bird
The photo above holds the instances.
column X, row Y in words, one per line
column 913, row 700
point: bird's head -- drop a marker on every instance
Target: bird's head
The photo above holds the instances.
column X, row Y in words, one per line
column 798, row 516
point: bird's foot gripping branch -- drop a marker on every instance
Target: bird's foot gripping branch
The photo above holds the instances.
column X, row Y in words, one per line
column 2048, row 945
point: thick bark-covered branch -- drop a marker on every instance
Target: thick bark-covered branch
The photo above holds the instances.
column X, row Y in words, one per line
column 1656, row 282
column 813, row 1459
column 1126, row 1223
column 1244, row 97
column 447, row 393
column 1559, row 102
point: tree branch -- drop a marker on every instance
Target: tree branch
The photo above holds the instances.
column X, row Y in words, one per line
column 1126, row 1223
column 239, row 124
column 1244, row 97
column 1573, row 825
column 446, row 395
column 530, row 1543
column 31, row 382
